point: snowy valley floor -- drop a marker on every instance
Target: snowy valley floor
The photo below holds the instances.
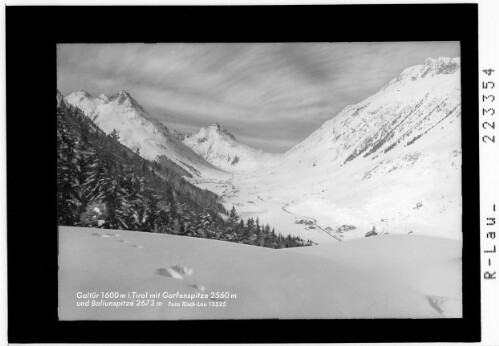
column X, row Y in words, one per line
column 391, row 276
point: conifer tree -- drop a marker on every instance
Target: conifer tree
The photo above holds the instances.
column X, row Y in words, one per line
column 66, row 174
column 233, row 217
column 135, row 212
column 100, row 180
column 163, row 220
column 172, row 205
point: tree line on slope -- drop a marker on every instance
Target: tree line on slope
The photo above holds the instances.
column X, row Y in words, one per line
column 102, row 183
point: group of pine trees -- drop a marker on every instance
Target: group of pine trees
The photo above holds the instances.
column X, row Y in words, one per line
column 101, row 183
column 251, row 232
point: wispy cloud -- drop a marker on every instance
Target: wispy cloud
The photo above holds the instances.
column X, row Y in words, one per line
column 270, row 95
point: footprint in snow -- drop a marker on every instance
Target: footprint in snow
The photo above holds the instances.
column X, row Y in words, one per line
column 106, row 235
column 110, row 235
column 175, row 272
column 137, row 246
column 446, row 306
column 123, row 241
column 183, row 270
column 198, row 287
column 170, row 273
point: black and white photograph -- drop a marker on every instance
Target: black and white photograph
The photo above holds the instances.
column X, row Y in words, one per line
column 250, row 173
column 276, row 180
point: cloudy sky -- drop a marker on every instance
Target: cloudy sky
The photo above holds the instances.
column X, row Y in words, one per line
column 271, row 96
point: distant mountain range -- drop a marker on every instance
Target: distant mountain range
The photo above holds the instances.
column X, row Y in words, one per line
column 138, row 130
column 390, row 162
column 219, row 147
column 419, row 103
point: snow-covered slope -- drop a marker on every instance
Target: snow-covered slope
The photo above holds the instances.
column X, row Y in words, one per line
column 220, row 147
column 381, row 277
column 392, row 161
column 424, row 100
column 138, row 130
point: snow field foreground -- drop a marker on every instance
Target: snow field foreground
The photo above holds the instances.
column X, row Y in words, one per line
column 393, row 276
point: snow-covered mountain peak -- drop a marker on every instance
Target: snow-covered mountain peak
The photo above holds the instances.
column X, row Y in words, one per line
column 124, row 95
column 217, row 129
column 433, row 67
column 83, row 100
column 104, row 98
column 408, row 107
column 443, row 64
column 80, row 94
column 443, row 68
column 138, row 130
column 125, row 99
column 219, row 146
column 213, row 135
column 216, row 126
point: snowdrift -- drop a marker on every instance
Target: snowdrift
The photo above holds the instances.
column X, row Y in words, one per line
column 392, row 276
